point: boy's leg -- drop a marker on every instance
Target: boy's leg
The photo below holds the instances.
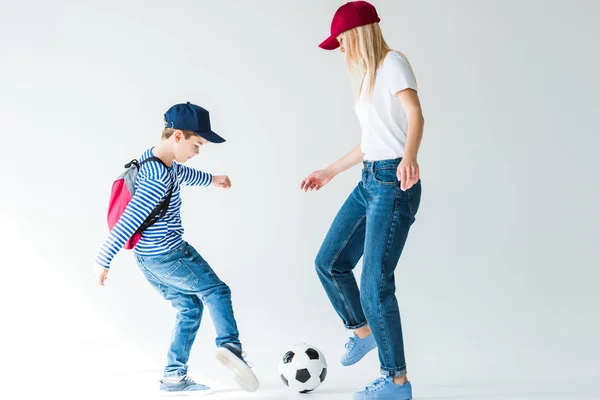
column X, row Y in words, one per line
column 189, row 314
column 214, row 293
column 186, row 272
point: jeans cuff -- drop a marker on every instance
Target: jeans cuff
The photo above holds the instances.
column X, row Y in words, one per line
column 357, row 325
column 175, row 374
column 393, row 371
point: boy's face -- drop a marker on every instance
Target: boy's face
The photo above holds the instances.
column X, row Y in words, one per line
column 187, row 148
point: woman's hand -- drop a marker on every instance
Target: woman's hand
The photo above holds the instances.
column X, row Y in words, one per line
column 408, row 172
column 316, row 180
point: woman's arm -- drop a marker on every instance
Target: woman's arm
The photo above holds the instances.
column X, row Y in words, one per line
column 318, row 179
column 408, row 170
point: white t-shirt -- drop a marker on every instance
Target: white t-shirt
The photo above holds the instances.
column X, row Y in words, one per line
column 381, row 115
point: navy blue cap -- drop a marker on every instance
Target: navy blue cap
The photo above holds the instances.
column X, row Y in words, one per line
column 190, row 117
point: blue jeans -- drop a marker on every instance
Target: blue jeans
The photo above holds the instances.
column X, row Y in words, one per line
column 188, row 282
column 373, row 223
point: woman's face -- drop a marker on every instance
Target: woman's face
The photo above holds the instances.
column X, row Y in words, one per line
column 340, row 38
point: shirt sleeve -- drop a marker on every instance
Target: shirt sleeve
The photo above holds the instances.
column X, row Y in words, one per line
column 192, row 177
column 152, row 188
column 398, row 74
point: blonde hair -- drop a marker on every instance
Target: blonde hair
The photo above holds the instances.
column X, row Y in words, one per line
column 365, row 51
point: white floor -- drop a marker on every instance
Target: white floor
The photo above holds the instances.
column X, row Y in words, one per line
column 103, row 373
column 144, row 385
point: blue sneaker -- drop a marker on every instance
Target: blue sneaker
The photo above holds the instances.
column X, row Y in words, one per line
column 384, row 388
column 232, row 357
column 357, row 348
column 186, row 386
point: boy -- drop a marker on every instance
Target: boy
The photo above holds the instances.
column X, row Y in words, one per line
column 171, row 265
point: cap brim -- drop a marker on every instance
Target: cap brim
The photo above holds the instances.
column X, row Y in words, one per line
column 211, row 136
column 330, row 43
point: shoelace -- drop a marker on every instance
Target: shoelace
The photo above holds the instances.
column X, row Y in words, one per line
column 350, row 344
column 187, row 379
column 377, row 384
column 248, row 363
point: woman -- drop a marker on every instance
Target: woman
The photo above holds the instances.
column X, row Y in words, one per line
column 375, row 220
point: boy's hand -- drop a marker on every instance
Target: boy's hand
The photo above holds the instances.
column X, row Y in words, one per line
column 101, row 274
column 222, row 182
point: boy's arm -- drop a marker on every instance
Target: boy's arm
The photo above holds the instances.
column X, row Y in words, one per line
column 193, row 177
column 146, row 197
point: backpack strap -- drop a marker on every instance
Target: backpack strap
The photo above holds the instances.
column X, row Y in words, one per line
column 132, row 162
column 152, row 158
column 161, row 208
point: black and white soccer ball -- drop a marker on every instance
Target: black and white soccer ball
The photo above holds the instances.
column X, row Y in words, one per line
column 303, row 368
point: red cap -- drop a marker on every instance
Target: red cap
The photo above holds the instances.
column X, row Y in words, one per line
column 349, row 16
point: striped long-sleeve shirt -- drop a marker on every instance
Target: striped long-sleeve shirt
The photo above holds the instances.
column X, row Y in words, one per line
column 151, row 187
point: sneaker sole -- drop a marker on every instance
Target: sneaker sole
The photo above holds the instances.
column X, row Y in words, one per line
column 382, row 397
column 184, row 393
column 244, row 376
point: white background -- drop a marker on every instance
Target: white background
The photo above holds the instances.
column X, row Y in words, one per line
column 498, row 284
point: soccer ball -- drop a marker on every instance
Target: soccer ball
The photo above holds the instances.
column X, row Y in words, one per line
column 303, row 368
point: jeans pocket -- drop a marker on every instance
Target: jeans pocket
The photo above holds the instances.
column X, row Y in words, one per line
column 414, row 198
column 199, row 267
column 175, row 274
column 386, row 176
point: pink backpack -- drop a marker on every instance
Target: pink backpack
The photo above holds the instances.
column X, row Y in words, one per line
column 122, row 192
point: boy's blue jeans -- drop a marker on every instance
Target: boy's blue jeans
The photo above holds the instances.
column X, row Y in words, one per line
column 188, row 282
column 373, row 223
